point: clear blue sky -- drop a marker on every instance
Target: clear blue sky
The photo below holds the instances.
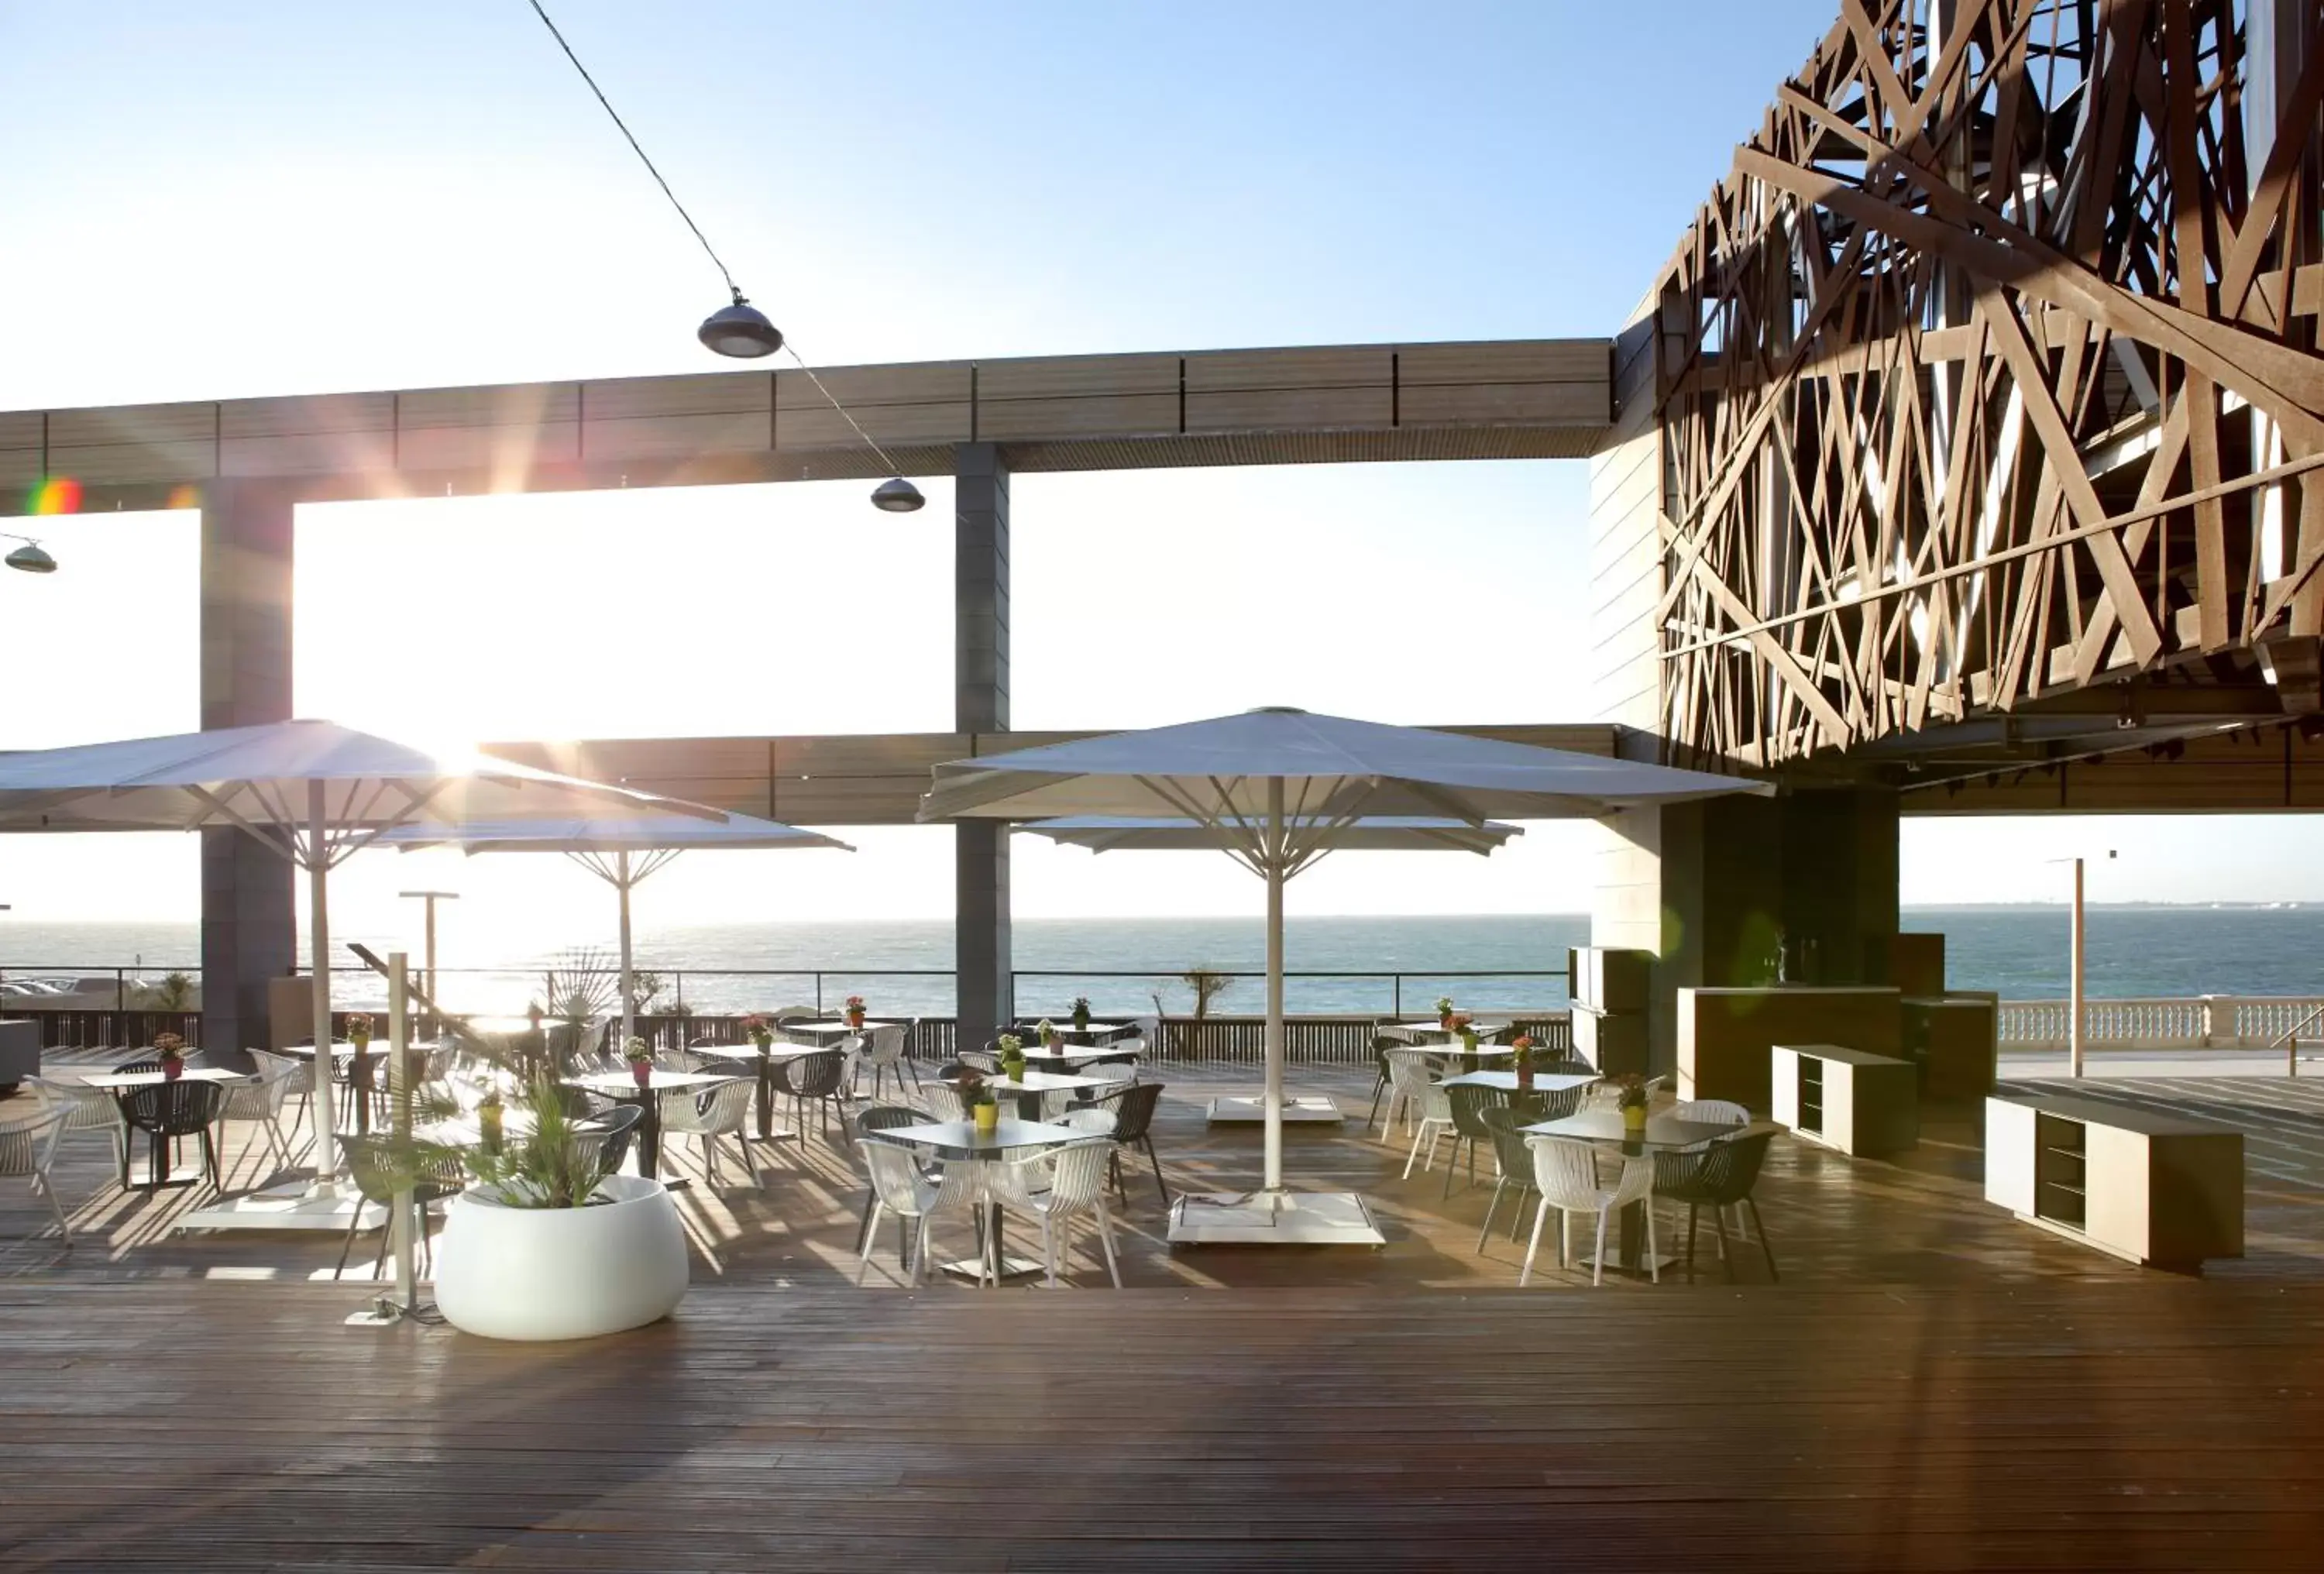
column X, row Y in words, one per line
column 249, row 198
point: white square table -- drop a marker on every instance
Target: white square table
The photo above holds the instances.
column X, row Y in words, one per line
column 1437, row 1031
column 122, row 1083
column 1071, row 1056
column 826, row 1029
column 961, row 1140
column 1543, row 1081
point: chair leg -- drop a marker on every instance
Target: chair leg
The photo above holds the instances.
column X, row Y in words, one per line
column 1726, row 1259
column 348, row 1243
column 1564, row 1238
column 1689, row 1242
column 1049, row 1232
column 1415, row 1158
column 1379, row 1087
column 1491, row 1204
column 1540, row 1214
column 1449, row 1170
column 1156, row 1160
column 1653, row 1252
column 1759, row 1226
column 872, row 1209
column 1106, row 1238
column 48, row 1190
column 1598, row 1262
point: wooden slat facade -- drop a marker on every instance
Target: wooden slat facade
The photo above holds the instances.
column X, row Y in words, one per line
column 1492, row 399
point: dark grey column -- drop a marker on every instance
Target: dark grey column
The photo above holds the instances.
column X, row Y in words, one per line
column 249, row 926
column 980, row 705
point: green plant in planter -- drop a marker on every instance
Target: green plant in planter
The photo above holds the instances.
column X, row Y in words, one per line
column 552, row 1165
column 1081, row 1013
column 1012, row 1059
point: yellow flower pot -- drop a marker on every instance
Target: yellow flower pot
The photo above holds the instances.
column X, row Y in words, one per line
column 988, row 1118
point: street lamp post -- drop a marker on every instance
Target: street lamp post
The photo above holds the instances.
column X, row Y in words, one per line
column 431, row 898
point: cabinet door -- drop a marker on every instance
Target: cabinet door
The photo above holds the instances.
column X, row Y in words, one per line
column 2121, row 1192
column 1840, row 1105
column 1783, row 1086
column 2009, row 1156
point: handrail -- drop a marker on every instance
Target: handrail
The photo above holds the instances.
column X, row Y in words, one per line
column 2289, row 1039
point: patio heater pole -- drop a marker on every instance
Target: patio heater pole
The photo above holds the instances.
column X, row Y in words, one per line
column 399, row 1087
column 319, row 944
column 2074, row 1028
column 1274, row 984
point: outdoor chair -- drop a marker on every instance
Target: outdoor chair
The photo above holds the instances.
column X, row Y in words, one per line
column 1077, row 1177
column 1718, row 1175
column 885, row 1058
column 719, row 1109
column 610, row 1133
column 260, row 1100
column 130, row 1068
column 1133, row 1127
column 1713, row 1111
column 167, row 1112
column 1422, row 1095
column 882, row 1118
column 1464, row 1104
column 943, row 1098
column 1514, row 1159
column 820, row 1078
column 1122, row 1055
column 1566, row 1174
column 1393, row 1053
column 680, row 1060
column 986, row 1060
column 1381, row 1044
column 1570, row 1065
column 27, row 1149
column 88, row 1109
column 374, row 1175
column 900, row 1187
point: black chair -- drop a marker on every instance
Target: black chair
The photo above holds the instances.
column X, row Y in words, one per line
column 1468, row 1101
column 1571, row 1066
column 1381, row 1044
column 1717, row 1176
column 816, row 1077
column 615, row 1128
column 166, row 1111
column 1133, row 1122
column 883, row 1117
column 374, row 1180
column 1516, row 1164
column 130, row 1068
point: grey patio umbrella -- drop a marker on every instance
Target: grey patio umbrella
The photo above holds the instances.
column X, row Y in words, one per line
column 620, row 851
column 1277, row 786
column 314, row 791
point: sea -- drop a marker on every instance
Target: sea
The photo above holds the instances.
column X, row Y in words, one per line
column 1367, row 965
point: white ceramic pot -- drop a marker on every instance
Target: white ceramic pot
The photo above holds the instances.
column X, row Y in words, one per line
column 561, row 1273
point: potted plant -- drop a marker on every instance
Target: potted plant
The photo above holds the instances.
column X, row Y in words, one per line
column 548, row 1244
column 1050, row 1035
column 760, row 1032
column 1081, row 1014
column 855, row 1010
column 490, row 1116
column 1462, row 1023
column 172, row 1050
column 1630, row 1097
column 1522, row 1061
column 1013, row 1057
column 983, row 1107
column 1444, row 1011
column 359, row 1035
column 640, row 1055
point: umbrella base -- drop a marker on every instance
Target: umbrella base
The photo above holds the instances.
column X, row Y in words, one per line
column 1275, row 1218
column 1250, row 1110
column 298, row 1208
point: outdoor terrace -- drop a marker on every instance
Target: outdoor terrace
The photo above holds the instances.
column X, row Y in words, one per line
column 1932, row 1385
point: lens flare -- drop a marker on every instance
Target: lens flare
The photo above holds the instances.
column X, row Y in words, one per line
column 58, row 494
column 185, row 494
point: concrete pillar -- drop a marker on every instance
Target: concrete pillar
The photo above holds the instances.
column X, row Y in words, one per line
column 981, row 939
column 249, row 924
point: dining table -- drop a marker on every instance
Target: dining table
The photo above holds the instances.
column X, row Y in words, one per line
column 121, row 1084
column 824, row 1030
column 1665, row 1132
column 961, row 1141
column 1543, row 1081
column 361, row 1068
column 1437, row 1031
column 622, row 1087
column 1029, row 1088
column 1071, row 1057
column 762, row 1065
column 1064, row 1029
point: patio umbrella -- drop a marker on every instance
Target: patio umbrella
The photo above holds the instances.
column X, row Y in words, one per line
column 311, row 790
column 1373, row 833
column 619, row 849
column 1279, row 787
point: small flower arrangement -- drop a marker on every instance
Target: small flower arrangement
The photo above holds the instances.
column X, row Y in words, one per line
column 855, row 1009
column 640, row 1055
column 168, row 1047
column 760, row 1031
column 1011, row 1050
column 359, row 1030
column 1443, row 1008
column 1630, row 1091
column 1048, row 1032
column 1081, row 1013
column 1523, row 1044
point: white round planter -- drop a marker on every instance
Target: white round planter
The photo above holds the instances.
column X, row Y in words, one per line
column 561, row 1273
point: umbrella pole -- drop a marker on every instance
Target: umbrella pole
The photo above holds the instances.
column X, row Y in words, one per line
column 319, row 944
column 1274, row 984
column 629, row 997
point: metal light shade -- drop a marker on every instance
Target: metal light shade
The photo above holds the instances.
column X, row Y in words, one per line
column 34, row 559
column 897, row 496
column 741, row 330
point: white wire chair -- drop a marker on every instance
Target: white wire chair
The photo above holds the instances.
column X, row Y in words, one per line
column 1419, row 1095
column 885, row 1056
column 1077, row 1177
column 260, row 1100
column 1566, row 1172
column 942, row 1100
column 1711, row 1111
column 900, row 1187
column 710, row 1113
column 28, row 1148
column 88, row 1109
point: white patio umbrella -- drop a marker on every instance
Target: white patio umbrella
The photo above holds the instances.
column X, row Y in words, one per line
column 1279, row 787
column 314, row 791
column 1373, row 833
column 620, row 851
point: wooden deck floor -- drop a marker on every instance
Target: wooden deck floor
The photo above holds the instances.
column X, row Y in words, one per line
column 1932, row 1386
